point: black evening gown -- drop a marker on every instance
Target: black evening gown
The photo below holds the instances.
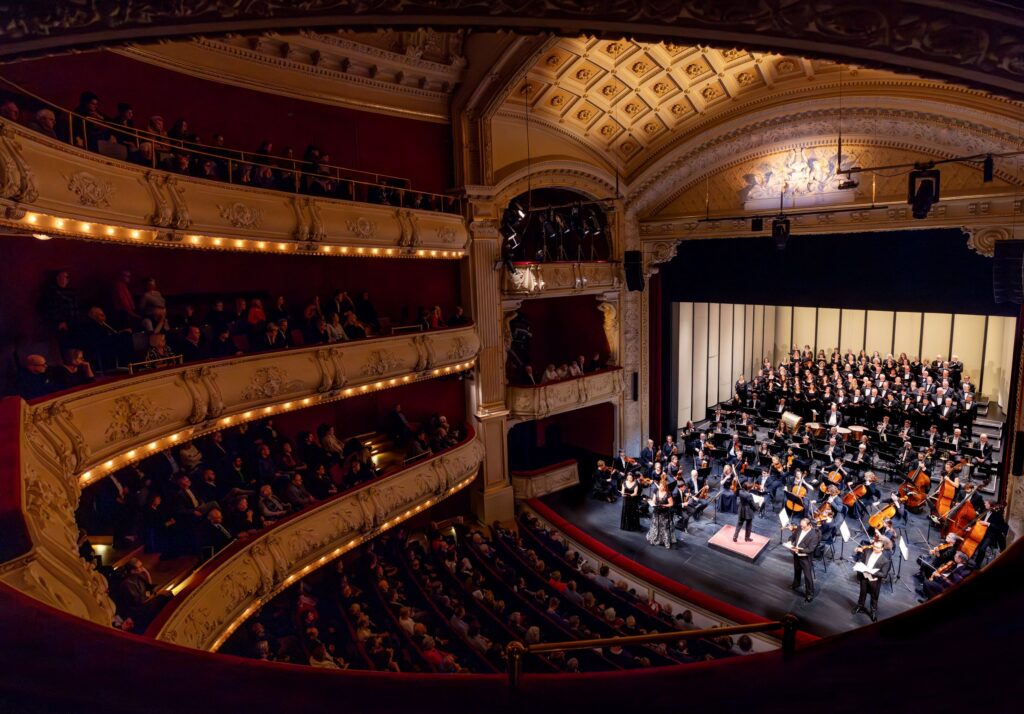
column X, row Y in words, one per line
column 630, row 520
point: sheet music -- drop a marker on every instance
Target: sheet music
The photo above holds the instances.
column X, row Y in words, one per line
column 863, row 568
column 904, row 553
column 844, row 531
column 784, row 518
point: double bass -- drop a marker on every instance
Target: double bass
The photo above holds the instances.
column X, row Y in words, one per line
column 944, row 499
column 914, row 489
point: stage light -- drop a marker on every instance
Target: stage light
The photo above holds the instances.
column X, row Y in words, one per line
column 988, row 169
column 922, row 191
column 517, row 208
column 847, row 183
column 41, row 236
column 780, row 232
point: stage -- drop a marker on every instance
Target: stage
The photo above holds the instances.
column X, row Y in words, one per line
column 760, row 584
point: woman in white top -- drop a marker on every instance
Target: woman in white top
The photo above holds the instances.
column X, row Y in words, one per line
column 550, row 375
column 335, row 330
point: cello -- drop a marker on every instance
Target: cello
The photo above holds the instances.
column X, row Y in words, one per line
column 878, row 519
column 795, row 497
column 914, row 489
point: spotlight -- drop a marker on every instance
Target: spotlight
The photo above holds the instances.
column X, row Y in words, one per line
column 780, row 231
column 517, row 207
column 757, row 224
column 41, row 236
column 922, row 191
column 547, row 228
column 848, row 183
column 988, row 169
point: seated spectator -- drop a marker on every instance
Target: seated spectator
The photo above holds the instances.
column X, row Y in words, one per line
column 208, row 490
column 353, row 329
column 270, row 507
column 223, row 345
column 255, row 316
column 435, row 320
column 134, row 592
column 596, row 363
column 550, row 375
column 339, row 303
column 180, row 163
column 296, row 494
column 562, row 371
column 212, row 532
column 156, row 126
column 458, row 318
column 278, row 311
column 157, row 322
column 329, row 441
column 366, row 313
column 190, row 348
column 45, row 122
column 528, row 377
column 73, row 371
column 574, row 369
column 158, row 349
column 316, row 332
column 218, row 318
column 9, row 110
column 103, row 345
column 86, row 132
column 335, row 330
column 145, row 155
column 319, row 483
column 35, row 380
column 209, row 169
column 270, row 339
column 418, row 446
column 240, row 519
column 318, row 657
column 180, row 132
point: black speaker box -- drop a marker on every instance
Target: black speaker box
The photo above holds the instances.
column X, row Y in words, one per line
column 632, row 263
column 1008, row 271
column 636, row 386
column 1018, row 454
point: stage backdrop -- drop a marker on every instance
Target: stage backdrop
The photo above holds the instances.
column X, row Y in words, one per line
column 727, row 303
column 712, row 344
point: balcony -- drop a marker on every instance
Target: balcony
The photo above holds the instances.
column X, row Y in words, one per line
column 537, row 402
column 225, row 591
column 559, row 279
column 58, row 445
column 540, row 482
column 48, row 186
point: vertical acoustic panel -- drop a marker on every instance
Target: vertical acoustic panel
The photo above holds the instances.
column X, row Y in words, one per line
column 699, row 390
column 748, row 341
column 991, row 377
column 714, row 313
column 828, row 329
column 726, row 347
column 935, row 335
column 852, row 337
column 758, row 340
column 771, row 325
column 804, row 322
column 968, row 342
column 879, row 331
column 1009, row 325
column 908, row 334
column 684, row 324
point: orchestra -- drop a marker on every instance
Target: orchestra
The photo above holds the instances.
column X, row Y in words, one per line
column 870, row 421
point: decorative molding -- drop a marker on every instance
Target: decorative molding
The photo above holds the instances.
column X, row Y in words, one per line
column 536, row 402
column 535, row 485
column 983, row 240
column 240, row 215
column 90, row 190
column 132, row 415
column 556, row 279
column 379, row 363
column 361, row 227
column 269, row 382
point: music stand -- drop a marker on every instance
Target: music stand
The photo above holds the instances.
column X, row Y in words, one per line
column 920, row 442
column 747, row 440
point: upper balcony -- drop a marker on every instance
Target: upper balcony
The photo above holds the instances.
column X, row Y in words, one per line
column 532, row 280
column 51, row 187
column 537, row 402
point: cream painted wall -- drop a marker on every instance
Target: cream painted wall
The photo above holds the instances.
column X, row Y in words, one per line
column 716, row 343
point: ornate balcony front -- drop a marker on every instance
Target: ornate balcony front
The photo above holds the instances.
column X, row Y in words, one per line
column 47, row 186
column 537, row 402
column 540, row 482
column 225, row 591
column 63, row 443
column 559, row 279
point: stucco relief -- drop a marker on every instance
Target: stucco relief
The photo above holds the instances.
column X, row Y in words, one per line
column 268, row 382
column 134, row 414
column 90, row 190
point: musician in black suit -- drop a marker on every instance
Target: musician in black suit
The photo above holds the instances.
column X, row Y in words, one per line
column 995, row 535
column 968, row 411
column 619, row 463
column 946, row 414
column 647, row 457
column 747, row 511
column 803, row 543
column 877, row 558
column 834, row 417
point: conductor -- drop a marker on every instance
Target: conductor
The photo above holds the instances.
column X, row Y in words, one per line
column 747, row 511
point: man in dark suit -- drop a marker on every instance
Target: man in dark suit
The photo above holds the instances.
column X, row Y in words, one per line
column 968, row 412
column 946, row 414
column 803, row 543
column 875, row 559
column 747, row 511
column 647, row 457
column 995, row 535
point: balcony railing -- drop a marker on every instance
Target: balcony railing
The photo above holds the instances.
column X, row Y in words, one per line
column 542, row 481
column 535, row 402
column 223, row 592
column 554, row 279
column 61, row 444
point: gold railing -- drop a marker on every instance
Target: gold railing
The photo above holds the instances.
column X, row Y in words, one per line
column 238, row 161
column 515, row 651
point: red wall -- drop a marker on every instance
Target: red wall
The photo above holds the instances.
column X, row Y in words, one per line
column 590, row 428
column 28, row 263
column 417, row 150
column 367, row 412
column 563, row 329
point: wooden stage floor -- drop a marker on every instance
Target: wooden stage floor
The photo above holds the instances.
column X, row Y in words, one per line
column 762, row 587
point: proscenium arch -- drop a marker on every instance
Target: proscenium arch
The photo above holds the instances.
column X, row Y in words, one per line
column 980, row 44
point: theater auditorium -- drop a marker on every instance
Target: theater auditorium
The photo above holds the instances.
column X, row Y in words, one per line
column 511, row 356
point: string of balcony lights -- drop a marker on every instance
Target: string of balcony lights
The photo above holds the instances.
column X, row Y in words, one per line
column 44, row 227
column 131, row 456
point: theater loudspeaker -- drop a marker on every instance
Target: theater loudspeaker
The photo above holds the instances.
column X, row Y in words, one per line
column 1018, row 454
column 636, row 386
column 1008, row 271
column 632, row 262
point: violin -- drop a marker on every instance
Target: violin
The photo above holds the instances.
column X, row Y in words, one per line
column 822, row 514
column 941, row 547
column 942, row 570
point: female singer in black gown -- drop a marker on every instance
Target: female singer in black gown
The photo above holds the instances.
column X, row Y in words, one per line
column 660, row 532
column 630, row 492
column 727, row 498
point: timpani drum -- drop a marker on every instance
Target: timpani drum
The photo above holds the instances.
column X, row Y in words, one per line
column 816, row 430
column 842, row 433
column 857, row 431
column 792, row 422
